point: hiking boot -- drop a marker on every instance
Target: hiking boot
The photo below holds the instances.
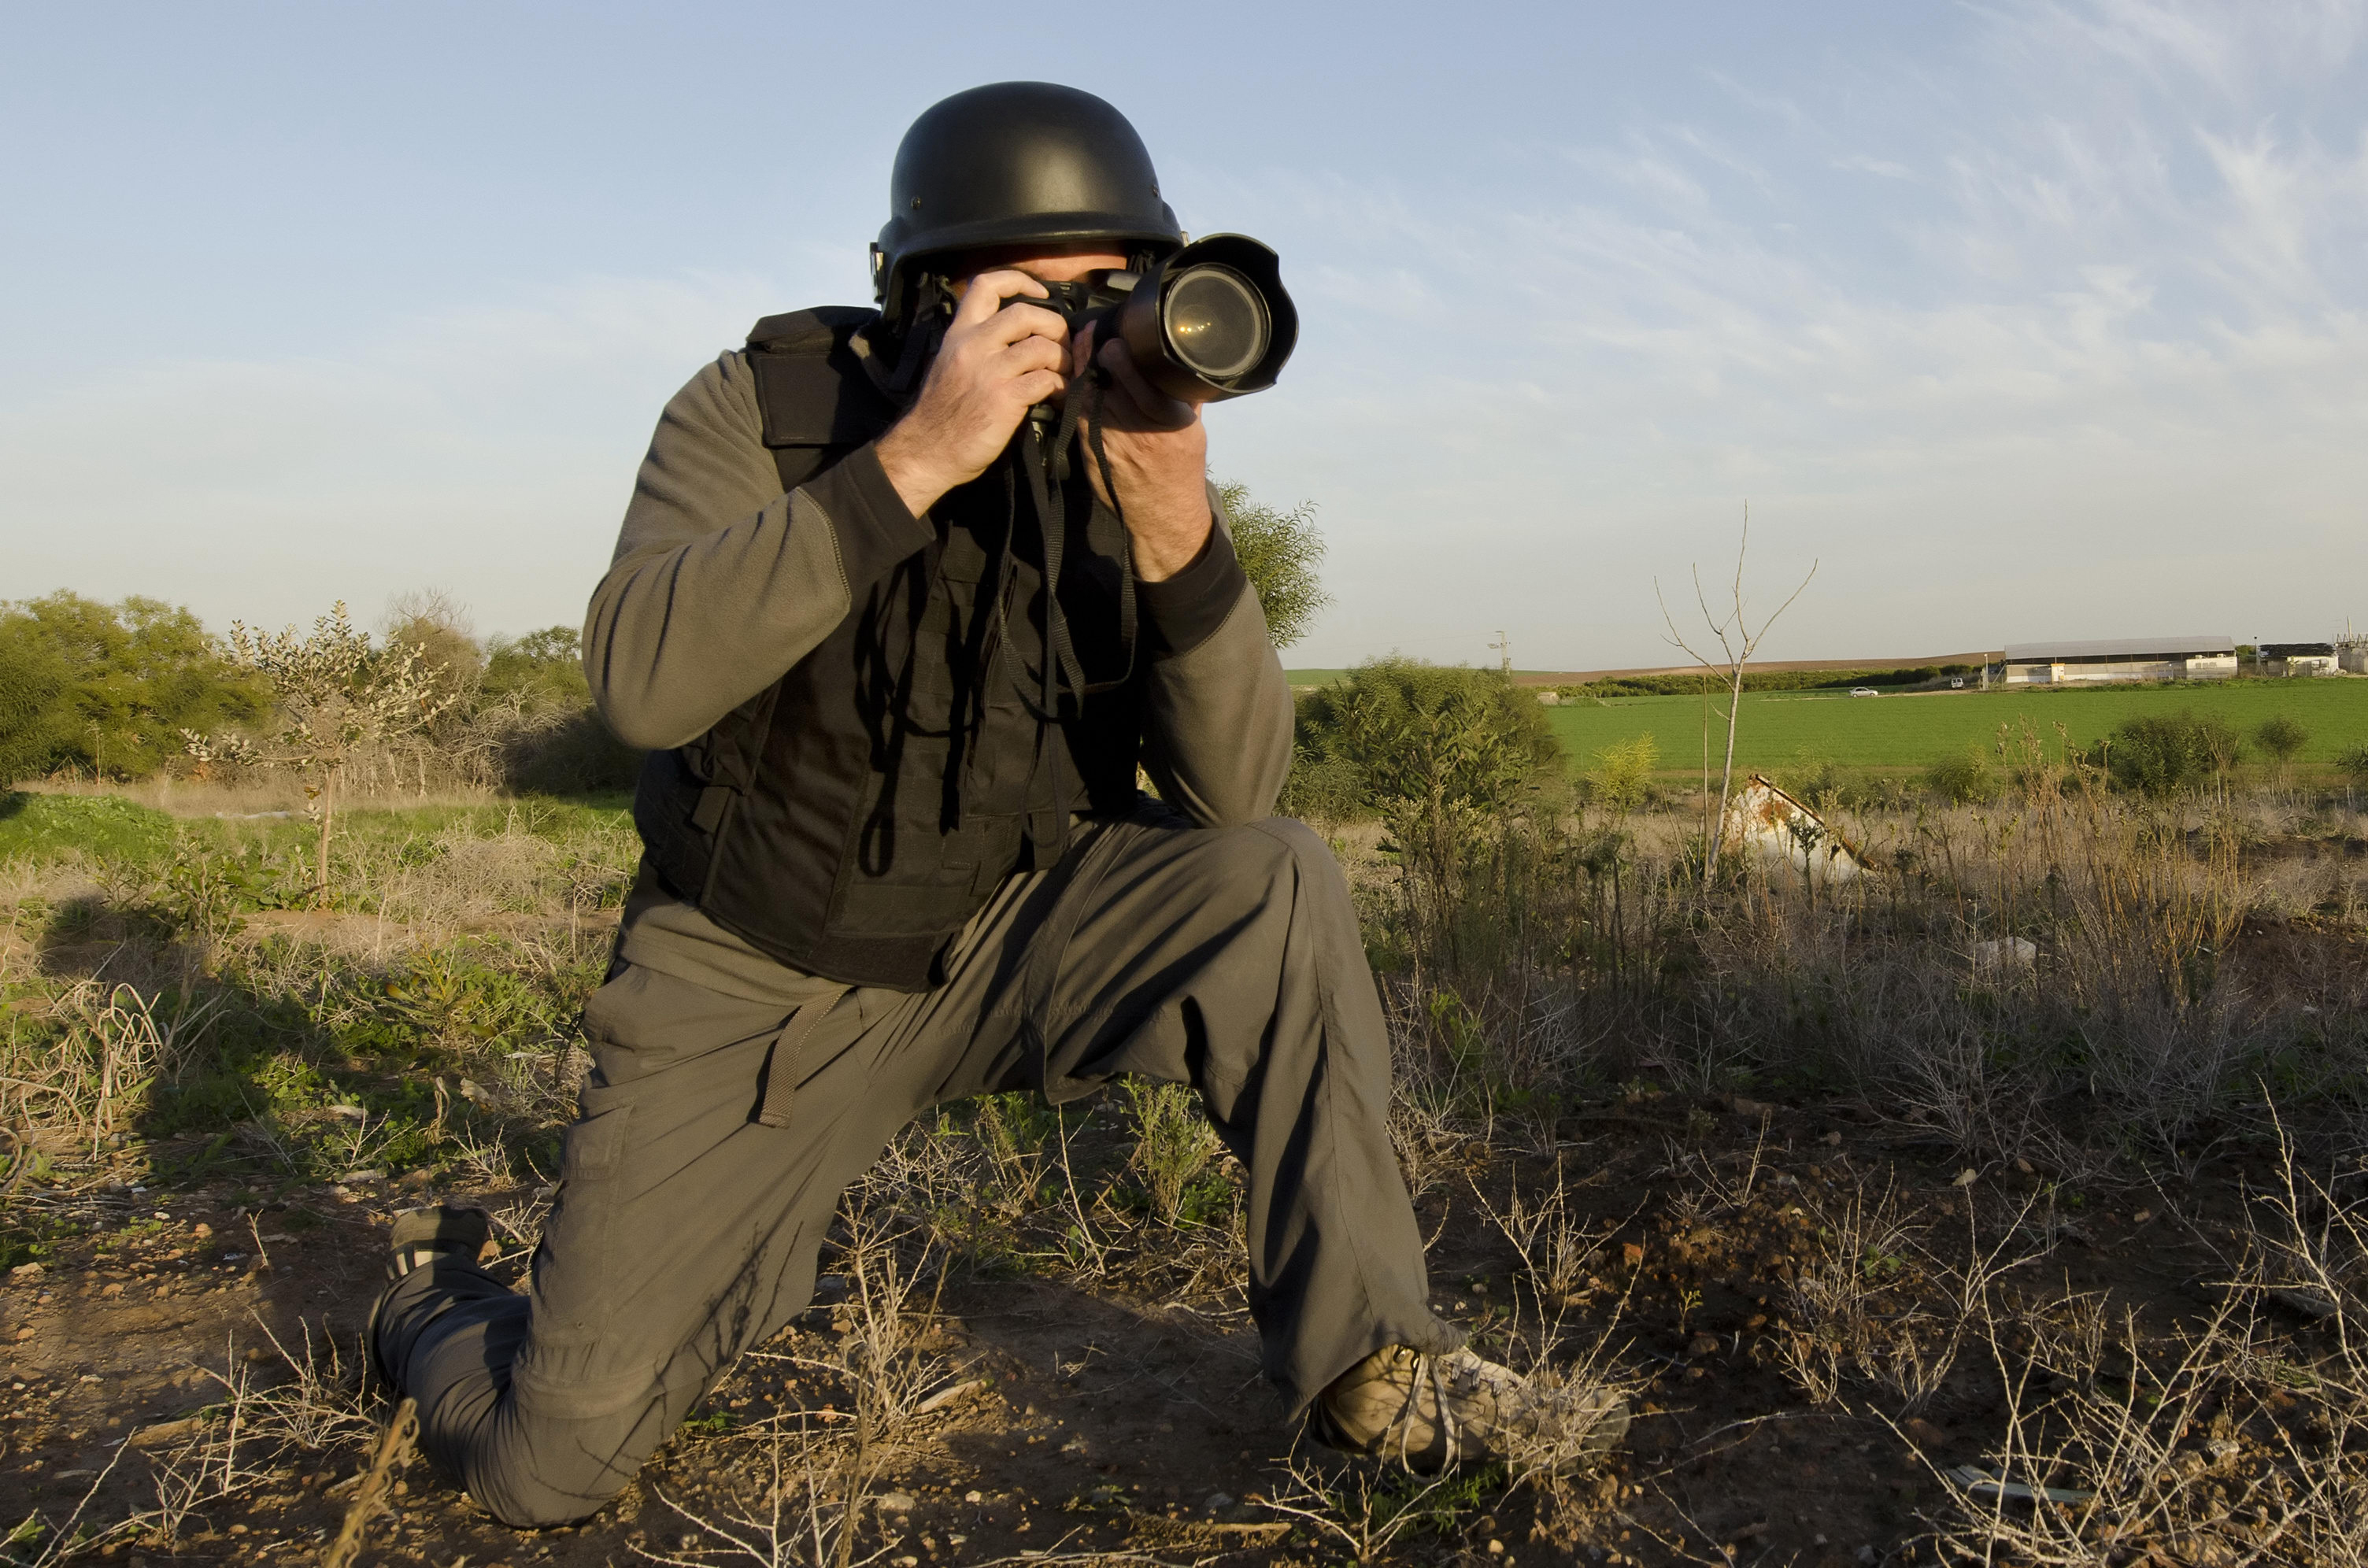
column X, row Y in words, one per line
column 445, row 1230
column 1432, row 1412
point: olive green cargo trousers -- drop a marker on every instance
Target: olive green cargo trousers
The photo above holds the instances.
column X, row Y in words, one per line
column 685, row 1230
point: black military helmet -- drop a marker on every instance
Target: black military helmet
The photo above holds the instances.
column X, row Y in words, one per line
column 1011, row 163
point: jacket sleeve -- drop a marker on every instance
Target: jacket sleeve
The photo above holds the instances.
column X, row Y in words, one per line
column 1218, row 721
column 720, row 582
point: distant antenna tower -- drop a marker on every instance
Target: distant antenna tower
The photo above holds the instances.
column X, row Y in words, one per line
column 1504, row 645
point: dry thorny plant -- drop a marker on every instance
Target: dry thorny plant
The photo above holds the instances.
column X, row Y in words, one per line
column 305, row 1405
column 794, row 1487
column 2237, row 1440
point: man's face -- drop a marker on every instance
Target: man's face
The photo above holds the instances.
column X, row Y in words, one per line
column 1046, row 264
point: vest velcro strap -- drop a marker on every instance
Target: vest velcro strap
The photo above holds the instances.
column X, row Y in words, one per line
column 708, row 815
column 781, row 1061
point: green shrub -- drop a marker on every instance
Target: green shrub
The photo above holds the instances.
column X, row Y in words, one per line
column 1962, row 779
column 2163, row 754
column 1623, row 775
column 2353, row 760
column 107, row 689
column 1449, row 757
column 1406, row 730
column 2282, row 736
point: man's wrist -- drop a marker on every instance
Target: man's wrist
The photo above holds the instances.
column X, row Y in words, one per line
column 904, row 458
column 1165, row 545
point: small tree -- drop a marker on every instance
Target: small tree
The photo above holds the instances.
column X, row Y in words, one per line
column 2282, row 736
column 1736, row 642
column 1279, row 553
column 336, row 697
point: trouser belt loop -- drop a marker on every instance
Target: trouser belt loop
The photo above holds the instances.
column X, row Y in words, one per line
column 782, row 1062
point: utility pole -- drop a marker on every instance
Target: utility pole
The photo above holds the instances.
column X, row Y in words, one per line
column 1504, row 645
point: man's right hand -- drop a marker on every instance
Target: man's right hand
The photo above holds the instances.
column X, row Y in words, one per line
column 994, row 365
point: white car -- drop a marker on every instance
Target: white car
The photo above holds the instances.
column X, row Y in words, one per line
column 1864, row 691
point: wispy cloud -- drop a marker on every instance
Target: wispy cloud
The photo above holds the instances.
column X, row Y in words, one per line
column 2105, row 373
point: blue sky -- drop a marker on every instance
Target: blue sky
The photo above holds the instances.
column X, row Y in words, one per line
column 2023, row 319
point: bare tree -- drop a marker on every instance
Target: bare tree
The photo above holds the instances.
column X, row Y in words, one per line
column 1737, row 642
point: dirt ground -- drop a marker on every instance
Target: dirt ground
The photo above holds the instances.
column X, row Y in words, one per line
column 1124, row 1415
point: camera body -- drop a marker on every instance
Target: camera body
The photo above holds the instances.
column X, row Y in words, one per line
column 1210, row 322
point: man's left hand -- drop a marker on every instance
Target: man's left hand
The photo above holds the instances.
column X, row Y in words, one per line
column 1158, row 457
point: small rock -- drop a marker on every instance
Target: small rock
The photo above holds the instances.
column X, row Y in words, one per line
column 1496, row 1548
column 167, row 1432
column 1923, row 1434
column 27, row 1272
column 1219, row 1500
column 202, row 1230
column 1867, row 1554
column 1834, row 1140
column 974, row 1496
column 1703, row 1344
column 896, row 1502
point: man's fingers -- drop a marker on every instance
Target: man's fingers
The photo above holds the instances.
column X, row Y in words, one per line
column 1039, row 386
column 984, row 294
column 1031, row 353
column 1017, row 323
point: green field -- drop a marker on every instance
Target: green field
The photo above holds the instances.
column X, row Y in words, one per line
column 1790, row 729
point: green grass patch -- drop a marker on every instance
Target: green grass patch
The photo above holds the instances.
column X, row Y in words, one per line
column 96, row 827
column 1782, row 730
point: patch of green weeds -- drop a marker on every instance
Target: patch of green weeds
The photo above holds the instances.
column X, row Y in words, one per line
column 90, row 827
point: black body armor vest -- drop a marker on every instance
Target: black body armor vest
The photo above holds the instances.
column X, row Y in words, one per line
column 851, row 817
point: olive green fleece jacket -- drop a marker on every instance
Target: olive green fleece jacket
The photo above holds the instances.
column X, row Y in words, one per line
column 721, row 583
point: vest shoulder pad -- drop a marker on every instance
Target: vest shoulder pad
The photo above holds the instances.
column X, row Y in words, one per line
column 810, row 382
column 818, row 331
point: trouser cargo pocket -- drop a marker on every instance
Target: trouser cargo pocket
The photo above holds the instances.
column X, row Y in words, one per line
column 577, row 1283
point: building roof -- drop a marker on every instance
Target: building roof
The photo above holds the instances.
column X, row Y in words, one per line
column 2118, row 648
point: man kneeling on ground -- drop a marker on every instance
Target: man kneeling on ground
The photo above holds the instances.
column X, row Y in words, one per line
column 897, row 686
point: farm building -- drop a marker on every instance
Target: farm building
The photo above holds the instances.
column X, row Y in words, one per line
column 2298, row 659
column 2121, row 659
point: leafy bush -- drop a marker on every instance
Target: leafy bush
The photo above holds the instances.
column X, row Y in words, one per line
column 547, row 665
column 2163, row 754
column 1622, row 776
column 107, row 689
column 2353, row 760
column 1279, row 551
column 1962, row 779
column 2282, row 736
column 1448, row 756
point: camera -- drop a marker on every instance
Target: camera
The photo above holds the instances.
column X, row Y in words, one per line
column 1211, row 321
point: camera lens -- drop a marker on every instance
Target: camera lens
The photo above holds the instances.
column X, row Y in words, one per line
column 1216, row 322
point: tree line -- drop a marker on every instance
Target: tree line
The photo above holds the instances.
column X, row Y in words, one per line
column 131, row 690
